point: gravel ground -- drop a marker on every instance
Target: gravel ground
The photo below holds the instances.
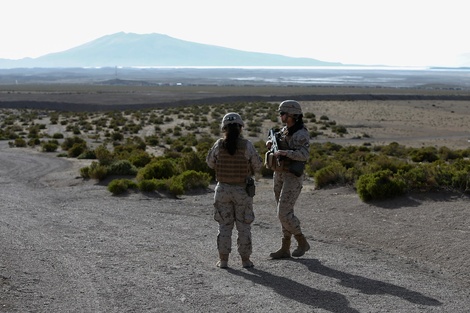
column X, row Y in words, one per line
column 68, row 245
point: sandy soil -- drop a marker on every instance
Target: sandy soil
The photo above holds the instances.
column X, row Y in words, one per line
column 68, row 245
column 412, row 123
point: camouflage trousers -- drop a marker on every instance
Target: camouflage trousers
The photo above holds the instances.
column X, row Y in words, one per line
column 287, row 189
column 233, row 206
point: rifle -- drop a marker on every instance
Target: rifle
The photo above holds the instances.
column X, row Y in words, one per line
column 274, row 147
column 295, row 167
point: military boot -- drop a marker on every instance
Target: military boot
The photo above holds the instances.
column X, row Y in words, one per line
column 246, row 263
column 284, row 251
column 302, row 247
column 223, row 262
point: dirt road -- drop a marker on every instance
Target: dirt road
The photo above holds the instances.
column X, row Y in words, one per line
column 68, row 245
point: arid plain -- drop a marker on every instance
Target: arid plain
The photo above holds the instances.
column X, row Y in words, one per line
column 68, row 244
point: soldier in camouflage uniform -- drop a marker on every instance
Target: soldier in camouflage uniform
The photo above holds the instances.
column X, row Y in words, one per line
column 234, row 160
column 293, row 144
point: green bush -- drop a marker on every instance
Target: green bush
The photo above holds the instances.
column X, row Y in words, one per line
column 193, row 179
column 97, row 171
column 85, row 172
column 427, row 154
column 69, row 142
column 120, row 186
column 420, row 178
column 393, row 149
column 20, row 142
column 49, row 146
column 381, row 162
column 380, row 185
column 152, row 140
column 334, row 173
column 161, row 168
column 104, row 156
column 34, row 142
column 117, row 136
column 194, row 161
column 76, row 149
column 87, row 155
column 447, row 154
column 175, row 186
column 140, row 158
column 148, row 185
column 122, row 167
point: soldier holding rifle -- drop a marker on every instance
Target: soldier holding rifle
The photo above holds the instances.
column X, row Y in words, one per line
column 289, row 150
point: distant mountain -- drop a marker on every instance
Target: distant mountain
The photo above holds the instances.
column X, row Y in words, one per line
column 128, row 49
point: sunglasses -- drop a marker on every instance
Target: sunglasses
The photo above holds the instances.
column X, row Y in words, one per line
column 282, row 113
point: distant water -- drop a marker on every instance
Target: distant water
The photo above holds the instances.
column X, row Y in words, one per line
column 379, row 76
column 398, row 77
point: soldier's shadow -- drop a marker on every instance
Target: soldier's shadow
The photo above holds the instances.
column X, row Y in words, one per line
column 367, row 285
column 329, row 300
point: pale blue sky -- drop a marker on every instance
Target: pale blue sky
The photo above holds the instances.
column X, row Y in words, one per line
column 398, row 32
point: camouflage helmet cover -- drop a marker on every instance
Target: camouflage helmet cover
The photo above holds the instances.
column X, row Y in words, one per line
column 290, row 107
column 232, row 118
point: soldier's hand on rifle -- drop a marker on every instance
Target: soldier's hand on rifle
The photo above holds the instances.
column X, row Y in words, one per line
column 280, row 153
column 269, row 143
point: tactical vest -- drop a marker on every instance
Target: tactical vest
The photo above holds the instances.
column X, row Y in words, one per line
column 232, row 169
column 285, row 161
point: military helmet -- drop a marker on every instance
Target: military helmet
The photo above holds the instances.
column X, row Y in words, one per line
column 232, row 118
column 290, row 107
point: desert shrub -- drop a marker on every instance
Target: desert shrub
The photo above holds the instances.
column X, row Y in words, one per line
column 103, row 155
column 120, row 186
column 339, row 129
column 87, row 155
column 97, row 171
column 382, row 162
column 49, row 146
column 33, row 131
column 194, row 161
column 175, row 186
column 140, row 158
column 8, row 134
column 380, row 185
column 116, row 136
column 447, row 154
column 58, row 136
column 420, row 178
column 77, row 149
column 152, row 140
column 148, row 185
column 34, row 142
column 309, row 115
column 193, row 179
column 461, row 180
column 85, row 172
column 443, row 173
column 335, row 173
column 426, row 154
column 393, row 149
column 160, row 168
column 315, row 164
column 122, row 167
column 329, row 147
column 70, row 141
column 20, row 142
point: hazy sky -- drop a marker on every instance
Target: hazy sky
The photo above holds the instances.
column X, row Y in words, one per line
column 388, row 32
